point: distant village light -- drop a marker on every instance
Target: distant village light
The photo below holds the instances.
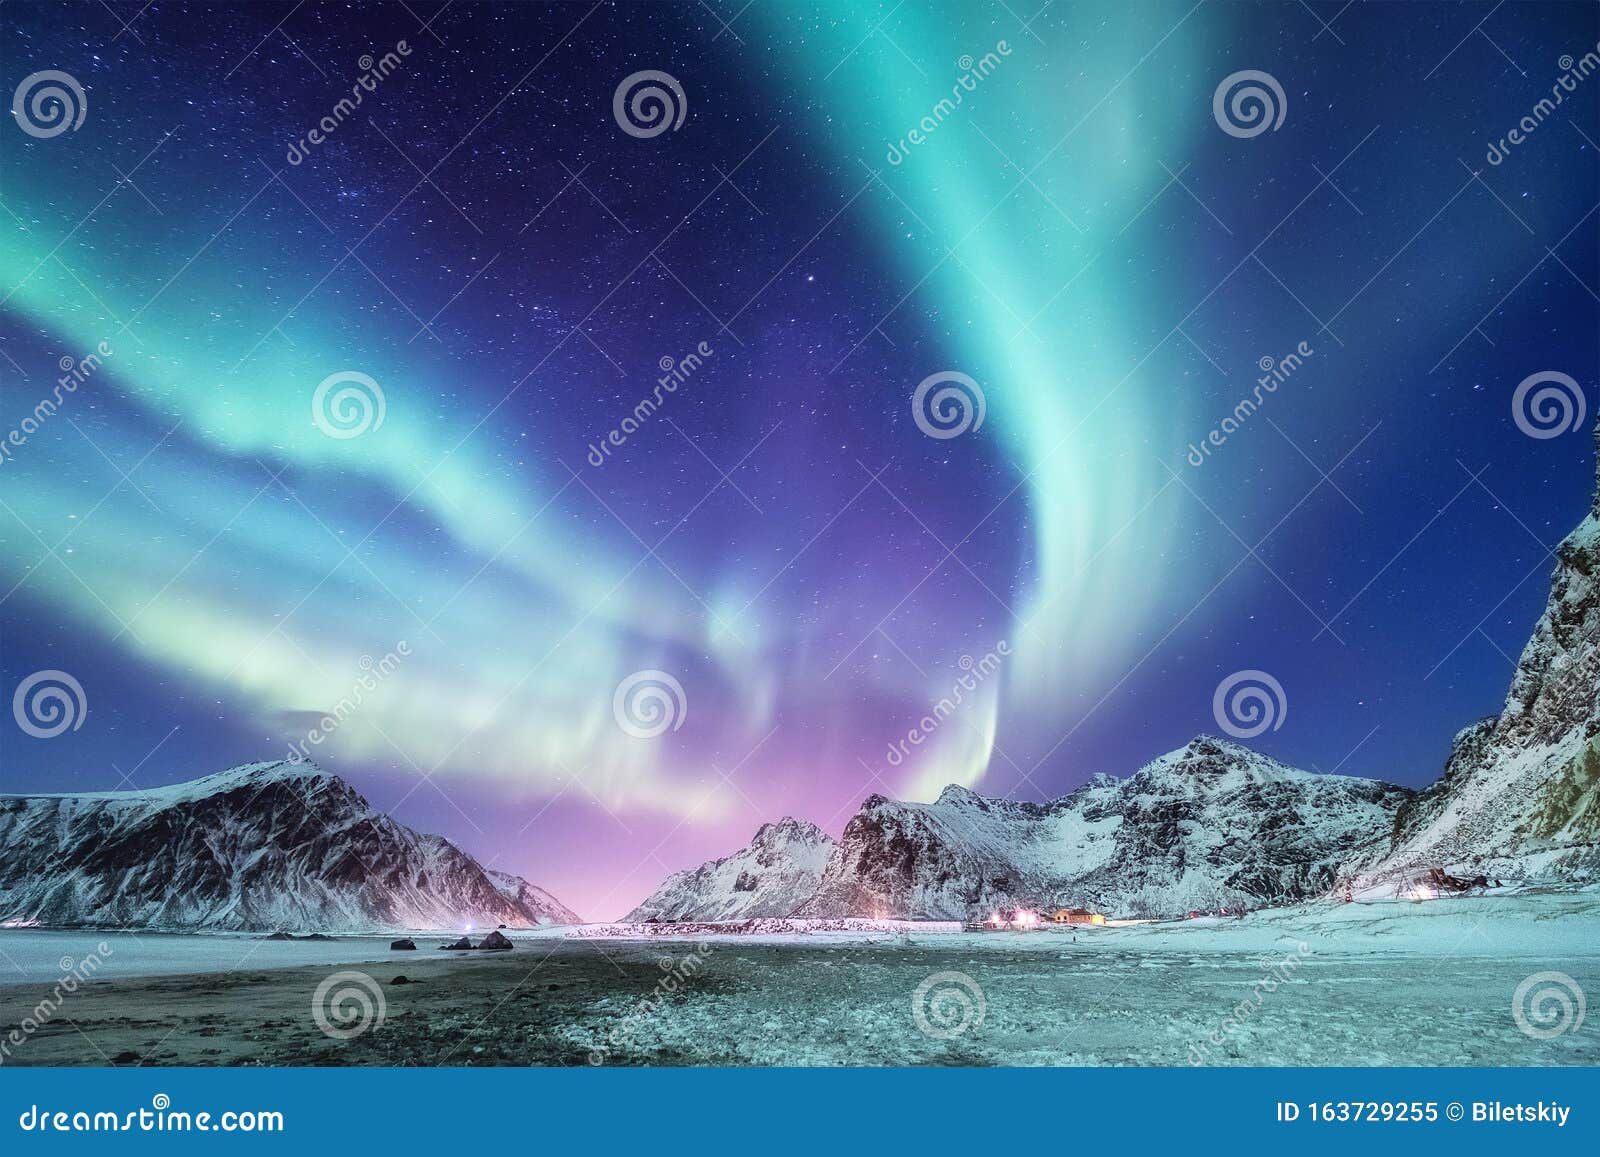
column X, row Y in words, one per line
column 1076, row 916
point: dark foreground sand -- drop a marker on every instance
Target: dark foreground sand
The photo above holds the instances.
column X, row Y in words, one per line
column 1055, row 1001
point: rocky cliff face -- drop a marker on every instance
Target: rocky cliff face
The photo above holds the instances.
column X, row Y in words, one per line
column 773, row 876
column 265, row 846
column 1210, row 825
column 1520, row 796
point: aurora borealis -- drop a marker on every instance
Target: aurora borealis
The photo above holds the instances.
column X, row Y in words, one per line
column 482, row 240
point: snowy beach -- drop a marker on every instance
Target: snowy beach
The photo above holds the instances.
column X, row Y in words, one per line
column 1349, row 984
column 34, row 956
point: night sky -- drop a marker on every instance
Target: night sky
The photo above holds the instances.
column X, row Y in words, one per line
column 509, row 268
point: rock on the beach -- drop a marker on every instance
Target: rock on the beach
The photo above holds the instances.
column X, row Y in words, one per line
column 495, row 942
column 403, row 946
column 458, row 946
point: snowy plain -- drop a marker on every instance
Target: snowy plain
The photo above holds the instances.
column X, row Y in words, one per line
column 41, row 956
column 1424, row 983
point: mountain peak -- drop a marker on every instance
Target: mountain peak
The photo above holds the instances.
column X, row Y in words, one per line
column 770, row 876
column 785, row 830
column 1212, row 824
column 1517, row 798
column 261, row 846
column 1594, row 510
column 1206, row 744
column 1208, row 762
column 263, row 773
column 245, row 775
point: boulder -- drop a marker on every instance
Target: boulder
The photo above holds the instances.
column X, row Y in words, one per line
column 403, row 946
column 495, row 942
column 458, row 946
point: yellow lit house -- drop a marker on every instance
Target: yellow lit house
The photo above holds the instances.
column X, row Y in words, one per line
column 1076, row 916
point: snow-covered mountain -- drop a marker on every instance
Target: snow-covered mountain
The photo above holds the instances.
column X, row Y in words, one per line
column 539, row 904
column 1210, row 825
column 264, row 846
column 1520, row 796
column 773, row 876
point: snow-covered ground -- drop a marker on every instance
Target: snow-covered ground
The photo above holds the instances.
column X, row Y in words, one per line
column 1531, row 925
column 1487, row 980
column 776, row 927
column 1413, row 983
column 41, row 956
column 1492, row 980
column 1516, row 927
